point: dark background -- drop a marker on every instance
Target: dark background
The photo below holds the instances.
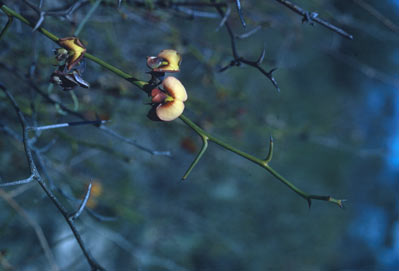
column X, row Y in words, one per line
column 335, row 123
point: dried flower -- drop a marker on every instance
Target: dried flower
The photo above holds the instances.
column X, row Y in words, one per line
column 75, row 48
column 68, row 80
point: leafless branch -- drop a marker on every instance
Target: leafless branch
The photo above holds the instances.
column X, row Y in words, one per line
column 374, row 12
column 313, row 17
column 35, row 175
column 238, row 60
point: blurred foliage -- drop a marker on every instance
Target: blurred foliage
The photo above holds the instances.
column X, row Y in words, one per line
column 335, row 125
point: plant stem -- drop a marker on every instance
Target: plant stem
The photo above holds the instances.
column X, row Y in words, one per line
column 4, row 30
column 204, row 135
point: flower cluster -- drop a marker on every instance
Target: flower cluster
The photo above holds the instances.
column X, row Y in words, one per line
column 168, row 101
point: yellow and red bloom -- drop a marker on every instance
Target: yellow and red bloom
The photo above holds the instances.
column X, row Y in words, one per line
column 170, row 102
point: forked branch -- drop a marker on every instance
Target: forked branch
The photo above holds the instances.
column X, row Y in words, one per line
column 264, row 163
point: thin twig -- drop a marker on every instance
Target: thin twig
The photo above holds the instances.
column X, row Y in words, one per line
column 238, row 60
column 313, row 17
column 67, row 124
column 377, row 14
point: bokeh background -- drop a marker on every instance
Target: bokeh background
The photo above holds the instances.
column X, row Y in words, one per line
column 335, row 123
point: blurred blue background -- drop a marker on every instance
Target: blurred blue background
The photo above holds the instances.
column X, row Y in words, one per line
column 335, row 125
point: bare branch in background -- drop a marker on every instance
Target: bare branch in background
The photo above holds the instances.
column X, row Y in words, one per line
column 238, row 60
column 35, row 175
column 374, row 12
column 36, row 227
column 66, row 11
column 239, row 10
column 104, row 129
column 313, row 17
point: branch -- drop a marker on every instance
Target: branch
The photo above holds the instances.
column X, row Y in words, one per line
column 238, row 59
column 67, row 124
column 313, row 17
column 104, row 129
column 36, row 176
column 262, row 163
column 205, row 136
column 374, row 12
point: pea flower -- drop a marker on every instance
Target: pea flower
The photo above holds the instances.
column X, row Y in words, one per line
column 170, row 102
column 167, row 61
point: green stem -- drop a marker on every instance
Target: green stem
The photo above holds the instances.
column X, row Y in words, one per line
column 120, row 73
column 204, row 135
column 4, row 30
column 251, row 158
column 140, row 84
column 11, row 12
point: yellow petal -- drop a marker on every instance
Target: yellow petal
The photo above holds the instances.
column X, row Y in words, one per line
column 74, row 45
column 175, row 88
column 170, row 110
column 173, row 60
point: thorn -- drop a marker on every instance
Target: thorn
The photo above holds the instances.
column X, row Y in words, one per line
column 271, row 77
column 249, row 33
column 270, row 153
column 309, row 203
column 223, row 21
column 40, row 21
column 238, row 5
column 82, row 205
column 262, row 55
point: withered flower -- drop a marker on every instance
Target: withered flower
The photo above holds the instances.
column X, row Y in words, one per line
column 68, row 79
column 75, row 48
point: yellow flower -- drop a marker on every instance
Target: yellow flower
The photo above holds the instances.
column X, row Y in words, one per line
column 75, row 48
column 167, row 61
